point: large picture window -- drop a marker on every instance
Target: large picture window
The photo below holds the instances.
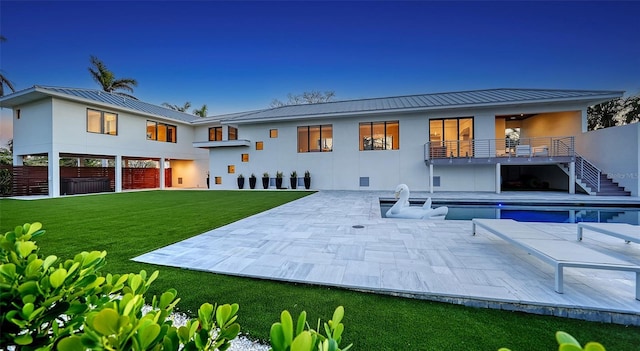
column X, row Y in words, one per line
column 380, row 135
column 161, row 132
column 102, row 122
column 215, row 134
column 451, row 137
column 315, row 138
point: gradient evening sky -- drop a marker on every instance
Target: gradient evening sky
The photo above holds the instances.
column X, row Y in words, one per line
column 239, row 55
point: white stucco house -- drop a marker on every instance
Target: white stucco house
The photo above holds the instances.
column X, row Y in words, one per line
column 482, row 140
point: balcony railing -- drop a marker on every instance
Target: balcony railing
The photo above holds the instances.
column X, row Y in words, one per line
column 523, row 148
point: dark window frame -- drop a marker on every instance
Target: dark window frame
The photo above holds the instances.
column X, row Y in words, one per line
column 308, row 128
column 363, row 147
column 216, row 131
column 169, row 137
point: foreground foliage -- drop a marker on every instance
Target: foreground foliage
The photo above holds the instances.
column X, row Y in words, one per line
column 47, row 304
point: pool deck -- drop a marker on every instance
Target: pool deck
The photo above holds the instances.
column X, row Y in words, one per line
column 313, row 240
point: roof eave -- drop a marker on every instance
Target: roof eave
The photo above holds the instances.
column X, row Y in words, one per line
column 591, row 99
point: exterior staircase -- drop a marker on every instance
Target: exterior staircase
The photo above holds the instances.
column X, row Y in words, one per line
column 592, row 180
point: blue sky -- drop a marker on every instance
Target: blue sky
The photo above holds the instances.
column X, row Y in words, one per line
column 236, row 56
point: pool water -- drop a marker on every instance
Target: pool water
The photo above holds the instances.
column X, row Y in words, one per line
column 528, row 213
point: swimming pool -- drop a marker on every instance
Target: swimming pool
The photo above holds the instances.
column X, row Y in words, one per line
column 533, row 213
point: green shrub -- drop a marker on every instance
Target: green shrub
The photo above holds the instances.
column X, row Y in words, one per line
column 284, row 337
column 46, row 304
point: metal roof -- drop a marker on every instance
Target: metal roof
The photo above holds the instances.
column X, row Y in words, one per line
column 462, row 99
column 95, row 96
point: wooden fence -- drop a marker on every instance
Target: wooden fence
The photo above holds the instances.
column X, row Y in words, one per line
column 33, row 180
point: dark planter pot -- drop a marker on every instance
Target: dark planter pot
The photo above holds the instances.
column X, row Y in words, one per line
column 307, row 183
column 252, row 183
column 265, row 182
column 293, row 182
column 207, row 182
column 279, row 183
column 240, row 183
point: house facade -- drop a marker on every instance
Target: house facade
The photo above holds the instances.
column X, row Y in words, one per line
column 484, row 140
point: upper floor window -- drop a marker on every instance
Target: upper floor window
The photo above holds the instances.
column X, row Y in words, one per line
column 273, row 133
column 161, row 132
column 380, row 135
column 232, row 133
column 315, row 138
column 451, row 137
column 102, row 122
column 215, row 134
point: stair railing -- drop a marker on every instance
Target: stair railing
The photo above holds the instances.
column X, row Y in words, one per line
column 588, row 172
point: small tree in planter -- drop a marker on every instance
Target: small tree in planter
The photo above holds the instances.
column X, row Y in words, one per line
column 294, row 180
column 240, row 181
column 265, row 180
column 279, row 176
column 252, row 181
column 307, row 180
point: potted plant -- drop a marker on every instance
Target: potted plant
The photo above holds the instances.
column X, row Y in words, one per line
column 240, row 181
column 279, row 176
column 294, row 180
column 307, row 180
column 252, row 181
column 265, row 180
column 207, row 180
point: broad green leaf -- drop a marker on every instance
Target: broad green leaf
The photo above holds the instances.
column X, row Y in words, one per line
column 147, row 334
column 34, row 227
column 135, row 283
column 71, row 343
column 8, row 270
column 167, row 297
column 287, row 327
column 338, row 314
column 566, row 338
column 593, row 346
column 302, row 342
column 50, row 260
column 24, row 248
column 302, row 320
column 106, row 322
column 24, row 339
column 223, row 314
column 27, row 309
column 33, row 268
column 29, row 287
column 231, row 332
column 276, row 337
column 57, row 277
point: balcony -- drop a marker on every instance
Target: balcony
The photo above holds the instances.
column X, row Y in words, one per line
column 524, row 151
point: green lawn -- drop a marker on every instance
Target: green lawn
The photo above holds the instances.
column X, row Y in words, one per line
column 129, row 224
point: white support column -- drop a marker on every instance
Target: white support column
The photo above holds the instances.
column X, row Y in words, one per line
column 118, row 169
column 431, row 178
column 53, row 158
column 162, row 165
column 498, row 177
column 572, row 178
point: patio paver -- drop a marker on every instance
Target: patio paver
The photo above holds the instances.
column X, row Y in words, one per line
column 312, row 240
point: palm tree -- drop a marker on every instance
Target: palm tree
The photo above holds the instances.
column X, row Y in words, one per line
column 183, row 108
column 4, row 80
column 108, row 81
column 202, row 112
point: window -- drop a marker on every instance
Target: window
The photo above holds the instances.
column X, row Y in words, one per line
column 161, row 132
column 245, row 157
column 231, row 169
column 315, row 138
column 102, row 122
column 232, row 133
column 218, row 180
column 451, row 137
column 273, row 133
column 380, row 135
column 215, row 134
column 259, row 145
